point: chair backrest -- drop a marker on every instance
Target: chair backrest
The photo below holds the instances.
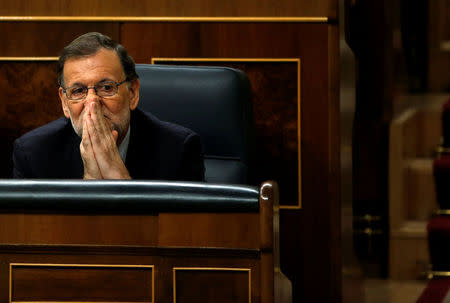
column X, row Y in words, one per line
column 212, row 101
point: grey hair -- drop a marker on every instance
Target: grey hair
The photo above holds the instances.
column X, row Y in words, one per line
column 90, row 43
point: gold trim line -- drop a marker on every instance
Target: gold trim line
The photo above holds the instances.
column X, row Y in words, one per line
column 221, row 59
column 213, row 268
column 432, row 274
column 67, row 302
column 160, row 19
column 441, row 150
column 29, row 59
column 80, row 265
column 444, row 212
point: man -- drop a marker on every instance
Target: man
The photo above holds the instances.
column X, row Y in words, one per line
column 103, row 135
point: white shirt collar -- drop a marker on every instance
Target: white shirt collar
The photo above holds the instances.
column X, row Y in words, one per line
column 123, row 147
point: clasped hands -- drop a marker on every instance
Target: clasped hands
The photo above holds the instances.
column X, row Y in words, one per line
column 99, row 150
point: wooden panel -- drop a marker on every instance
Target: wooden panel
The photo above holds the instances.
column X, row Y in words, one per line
column 25, row 39
column 29, row 94
column 274, row 83
column 163, row 260
column 171, row 8
column 207, row 230
column 276, row 107
column 310, row 237
column 332, row 202
column 98, row 230
column 222, row 40
column 46, row 282
column 212, row 285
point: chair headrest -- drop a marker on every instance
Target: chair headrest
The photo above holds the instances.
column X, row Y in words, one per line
column 212, row 101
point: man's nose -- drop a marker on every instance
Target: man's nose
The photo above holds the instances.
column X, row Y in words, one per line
column 91, row 96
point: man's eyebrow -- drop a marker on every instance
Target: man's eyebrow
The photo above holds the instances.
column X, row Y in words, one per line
column 77, row 84
column 101, row 81
column 106, row 80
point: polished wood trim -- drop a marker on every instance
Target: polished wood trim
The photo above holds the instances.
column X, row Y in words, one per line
column 31, row 59
column 156, row 60
column 132, row 250
column 212, row 269
column 270, row 250
column 10, row 283
column 161, row 19
column 68, row 302
column 11, row 265
column 79, row 265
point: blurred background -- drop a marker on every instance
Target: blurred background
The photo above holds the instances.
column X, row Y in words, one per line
column 394, row 61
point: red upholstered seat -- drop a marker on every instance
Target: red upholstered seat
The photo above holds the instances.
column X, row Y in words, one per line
column 438, row 227
column 436, row 291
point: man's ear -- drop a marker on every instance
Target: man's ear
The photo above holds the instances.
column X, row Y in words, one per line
column 133, row 93
column 63, row 103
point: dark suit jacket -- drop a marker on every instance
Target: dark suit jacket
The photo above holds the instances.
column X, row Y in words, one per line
column 157, row 151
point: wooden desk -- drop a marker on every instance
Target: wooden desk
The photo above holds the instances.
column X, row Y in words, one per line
column 49, row 255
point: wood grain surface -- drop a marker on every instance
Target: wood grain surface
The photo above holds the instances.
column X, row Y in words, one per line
column 310, row 252
column 170, row 8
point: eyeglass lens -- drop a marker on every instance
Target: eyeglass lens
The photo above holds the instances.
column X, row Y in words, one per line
column 103, row 89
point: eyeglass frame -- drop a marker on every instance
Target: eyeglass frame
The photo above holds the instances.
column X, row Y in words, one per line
column 87, row 88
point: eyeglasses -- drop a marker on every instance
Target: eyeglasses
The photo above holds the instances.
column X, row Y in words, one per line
column 77, row 93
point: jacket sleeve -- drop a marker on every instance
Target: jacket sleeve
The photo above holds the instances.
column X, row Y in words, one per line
column 19, row 161
column 192, row 166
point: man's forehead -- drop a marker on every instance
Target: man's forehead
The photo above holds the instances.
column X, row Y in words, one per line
column 102, row 63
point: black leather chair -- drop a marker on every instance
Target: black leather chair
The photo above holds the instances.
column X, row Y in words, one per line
column 212, row 101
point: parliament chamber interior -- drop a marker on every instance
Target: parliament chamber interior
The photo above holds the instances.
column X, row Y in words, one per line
column 325, row 128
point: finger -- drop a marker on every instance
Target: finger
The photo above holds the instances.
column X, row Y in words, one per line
column 92, row 131
column 103, row 148
column 104, row 145
column 99, row 120
column 103, row 139
column 115, row 135
column 91, row 169
column 86, row 146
